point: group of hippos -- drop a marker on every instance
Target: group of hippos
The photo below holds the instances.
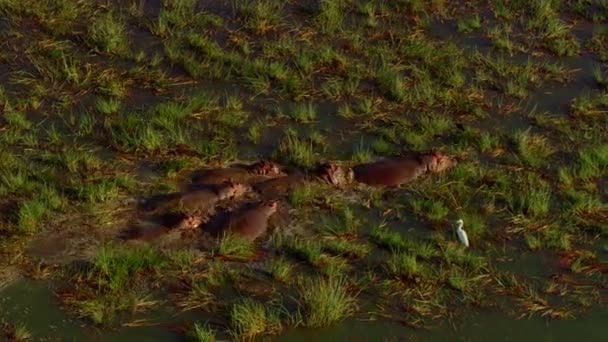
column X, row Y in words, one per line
column 194, row 207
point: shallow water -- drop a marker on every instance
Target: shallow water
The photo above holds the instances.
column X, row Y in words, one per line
column 32, row 304
column 482, row 326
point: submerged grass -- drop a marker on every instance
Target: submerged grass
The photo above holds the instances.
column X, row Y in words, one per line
column 249, row 319
column 234, row 247
column 108, row 34
column 324, row 301
column 176, row 86
column 202, row 333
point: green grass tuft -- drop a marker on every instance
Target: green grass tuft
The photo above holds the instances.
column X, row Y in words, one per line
column 533, row 150
column 297, row 151
column 323, row 302
column 304, row 113
column 235, row 247
column 249, row 319
column 202, row 333
column 108, row 34
column 280, row 268
column 403, row 265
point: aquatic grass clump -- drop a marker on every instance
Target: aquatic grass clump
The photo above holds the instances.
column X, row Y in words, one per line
column 488, row 142
column 324, row 301
column 531, row 197
column 198, row 297
column 592, row 162
column 532, row 149
column 457, row 279
column 304, row 113
column 469, row 25
column 403, row 265
column 305, row 195
column 601, row 78
column 433, row 209
column 30, row 215
column 108, row 34
column 99, row 191
column 171, row 112
column 362, row 153
column 103, row 307
column 426, row 251
column 455, row 254
column 557, row 237
column 280, row 269
column 346, row 248
column 308, row 250
column 392, row 82
column 546, row 21
column 235, row 247
column 202, row 333
column 15, row 180
column 590, row 106
column 260, row 16
column 330, row 16
column 173, row 15
column 587, row 211
column 249, row 319
column 334, row 266
column 341, row 224
column 114, row 268
column 107, row 106
column 17, row 120
column 391, row 240
column 297, row 151
column 17, row 332
column 430, row 126
column 33, row 211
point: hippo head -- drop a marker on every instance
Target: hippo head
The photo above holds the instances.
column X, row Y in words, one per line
column 438, row 162
column 192, row 221
column 334, row 174
column 270, row 207
column 231, row 189
column 266, row 167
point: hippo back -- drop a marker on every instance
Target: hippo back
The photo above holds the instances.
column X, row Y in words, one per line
column 249, row 224
column 279, row 186
column 389, row 172
column 218, row 176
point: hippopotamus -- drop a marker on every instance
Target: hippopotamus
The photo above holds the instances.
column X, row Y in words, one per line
column 390, row 172
column 200, row 200
column 324, row 173
column 252, row 222
column 244, row 174
column 167, row 223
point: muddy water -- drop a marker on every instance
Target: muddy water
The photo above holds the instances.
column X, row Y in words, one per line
column 484, row 326
column 32, row 304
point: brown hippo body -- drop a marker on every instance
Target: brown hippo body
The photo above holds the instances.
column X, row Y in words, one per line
column 200, row 200
column 401, row 171
column 389, row 172
column 167, row 223
column 252, row 223
column 245, row 174
column 281, row 186
column 203, row 200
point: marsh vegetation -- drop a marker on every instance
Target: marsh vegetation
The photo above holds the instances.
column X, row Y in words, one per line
column 103, row 103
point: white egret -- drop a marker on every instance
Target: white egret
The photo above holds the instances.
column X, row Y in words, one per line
column 462, row 235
